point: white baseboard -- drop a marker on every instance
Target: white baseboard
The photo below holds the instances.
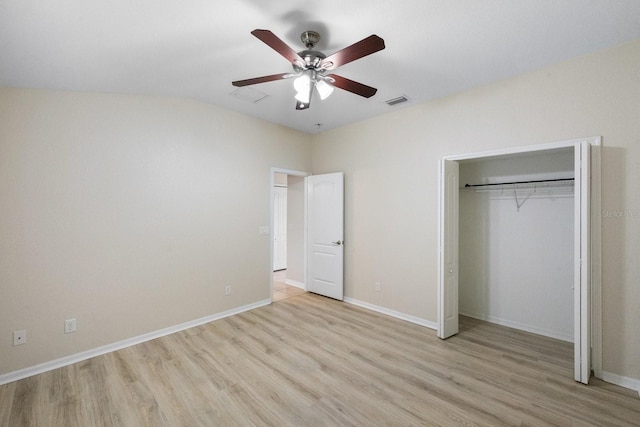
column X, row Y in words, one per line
column 294, row 283
column 626, row 382
column 392, row 313
column 78, row 357
column 522, row 327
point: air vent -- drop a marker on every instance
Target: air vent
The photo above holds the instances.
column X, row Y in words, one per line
column 396, row 101
column 249, row 94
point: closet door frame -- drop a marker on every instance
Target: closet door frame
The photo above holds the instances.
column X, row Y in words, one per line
column 587, row 253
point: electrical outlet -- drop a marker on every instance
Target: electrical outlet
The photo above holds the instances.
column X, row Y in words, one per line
column 69, row 326
column 19, row 337
column 227, row 290
column 376, row 286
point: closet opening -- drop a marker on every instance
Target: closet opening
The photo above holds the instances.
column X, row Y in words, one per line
column 516, row 242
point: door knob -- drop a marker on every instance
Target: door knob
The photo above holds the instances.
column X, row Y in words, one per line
column 338, row 243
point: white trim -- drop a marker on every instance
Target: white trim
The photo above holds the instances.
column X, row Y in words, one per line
column 583, row 270
column 448, row 248
column 295, row 283
column 593, row 140
column 398, row 315
column 626, row 382
column 84, row 355
column 275, row 170
column 596, row 256
column 521, row 327
column 289, row 172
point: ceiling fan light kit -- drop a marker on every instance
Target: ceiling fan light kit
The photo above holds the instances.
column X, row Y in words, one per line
column 304, row 86
column 324, row 89
column 308, row 80
column 310, row 66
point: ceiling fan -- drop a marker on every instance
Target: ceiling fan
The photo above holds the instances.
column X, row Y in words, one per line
column 310, row 66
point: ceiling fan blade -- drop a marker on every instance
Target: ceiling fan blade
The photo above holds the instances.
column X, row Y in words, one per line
column 364, row 47
column 279, row 46
column 352, row 86
column 263, row 79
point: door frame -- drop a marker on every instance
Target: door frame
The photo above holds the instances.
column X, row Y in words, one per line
column 594, row 238
column 272, row 175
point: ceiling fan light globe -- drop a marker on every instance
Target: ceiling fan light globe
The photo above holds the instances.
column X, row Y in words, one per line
column 302, row 83
column 324, row 89
column 303, row 97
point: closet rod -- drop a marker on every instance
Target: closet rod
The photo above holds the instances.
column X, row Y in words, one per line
column 518, row 182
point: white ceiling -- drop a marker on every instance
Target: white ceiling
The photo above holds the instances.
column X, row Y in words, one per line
column 196, row 48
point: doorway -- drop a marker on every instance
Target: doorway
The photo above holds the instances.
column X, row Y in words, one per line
column 287, row 237
column 315, row 232
column 583, row 254
column 282, row 290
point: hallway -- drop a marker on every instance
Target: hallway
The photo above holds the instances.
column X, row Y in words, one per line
column 280, row 289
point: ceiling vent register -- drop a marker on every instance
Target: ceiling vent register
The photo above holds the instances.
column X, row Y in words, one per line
column 395, row 101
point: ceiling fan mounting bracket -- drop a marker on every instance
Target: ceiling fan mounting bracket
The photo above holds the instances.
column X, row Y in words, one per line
column 310, row 39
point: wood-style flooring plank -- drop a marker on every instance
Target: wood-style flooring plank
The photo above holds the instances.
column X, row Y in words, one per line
column 313, row 361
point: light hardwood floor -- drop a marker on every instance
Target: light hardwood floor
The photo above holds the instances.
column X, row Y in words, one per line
column 280, row 289
column 313, row 361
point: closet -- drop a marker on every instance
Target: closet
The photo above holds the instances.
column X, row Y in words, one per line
column 520, row 244
column 516, row 241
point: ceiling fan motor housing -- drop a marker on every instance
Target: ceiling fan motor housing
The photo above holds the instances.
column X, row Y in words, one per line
column 312, row 59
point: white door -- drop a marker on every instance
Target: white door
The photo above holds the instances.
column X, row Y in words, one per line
column 448, row 250
column 279, row 228
column 582, row 279
column 325, row 234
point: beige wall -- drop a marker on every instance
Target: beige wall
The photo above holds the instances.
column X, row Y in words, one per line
column 391, row 177
column 130, row 214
